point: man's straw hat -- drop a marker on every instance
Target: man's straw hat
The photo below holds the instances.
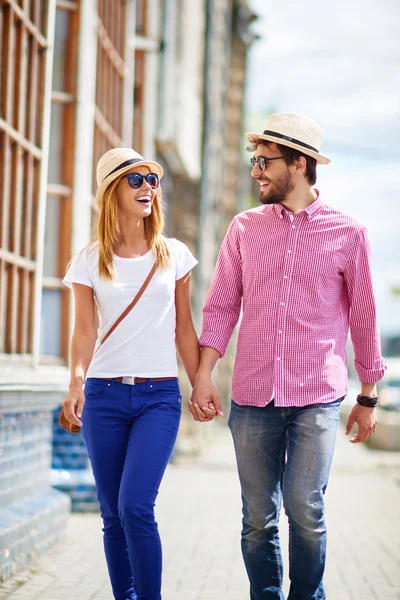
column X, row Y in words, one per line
column 118, row 161
column 295, row 131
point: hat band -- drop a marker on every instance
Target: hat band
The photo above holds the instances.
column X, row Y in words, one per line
column 131, row 161
column 290, row 139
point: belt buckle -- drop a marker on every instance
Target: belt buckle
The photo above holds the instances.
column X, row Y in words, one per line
column 128, row 380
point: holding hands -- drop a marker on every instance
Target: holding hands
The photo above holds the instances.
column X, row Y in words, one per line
column 205, row 403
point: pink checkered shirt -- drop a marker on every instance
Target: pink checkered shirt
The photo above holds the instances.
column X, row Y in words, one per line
column 301, row 283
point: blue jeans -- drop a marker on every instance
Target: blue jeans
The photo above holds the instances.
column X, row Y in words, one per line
column 284, row 454
column 130, row 431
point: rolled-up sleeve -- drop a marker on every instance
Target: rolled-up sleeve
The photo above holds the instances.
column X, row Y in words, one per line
column 369, row 364
column 222, row 308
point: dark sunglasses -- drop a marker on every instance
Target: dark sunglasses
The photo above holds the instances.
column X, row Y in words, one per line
column 135, row 180
column 262, row 161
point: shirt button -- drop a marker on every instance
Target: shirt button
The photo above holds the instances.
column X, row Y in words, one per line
column 293, row 226
column 281, row 216
column 278, row 358
column 289, row 251
column 279, row 330
column 282, row 304
column 286, row 276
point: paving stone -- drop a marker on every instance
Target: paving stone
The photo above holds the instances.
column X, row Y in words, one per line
column 199, row 516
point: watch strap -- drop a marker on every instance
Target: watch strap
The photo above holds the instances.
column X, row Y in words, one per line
column 367, row 401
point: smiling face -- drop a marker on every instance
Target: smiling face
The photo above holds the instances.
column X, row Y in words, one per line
column 135, row 203
column 276, row 181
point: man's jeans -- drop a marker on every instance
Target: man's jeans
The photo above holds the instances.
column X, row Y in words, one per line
column 284, row 453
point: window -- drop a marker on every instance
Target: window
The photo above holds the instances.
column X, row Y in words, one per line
column 111, row 74
column 120, row 93
column 141, row 16
column 23, row 41
column 145, row 44
column 55, row 297
column 139, row 88
column 110, row 78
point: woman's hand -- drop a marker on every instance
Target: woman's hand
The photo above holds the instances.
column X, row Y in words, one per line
column 205, row 403
column 73, row 406
column 202, row 415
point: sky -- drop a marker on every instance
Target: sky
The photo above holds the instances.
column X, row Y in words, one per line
column 339, row 63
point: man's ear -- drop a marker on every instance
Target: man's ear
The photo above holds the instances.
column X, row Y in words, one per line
column 300, row 165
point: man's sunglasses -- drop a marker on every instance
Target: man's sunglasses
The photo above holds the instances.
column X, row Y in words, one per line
column 262, row 161
column 135, row 180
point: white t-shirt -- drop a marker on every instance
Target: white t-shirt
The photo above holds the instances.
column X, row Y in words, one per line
column 143, row 344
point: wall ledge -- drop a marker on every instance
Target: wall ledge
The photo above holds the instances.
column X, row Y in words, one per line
column 43, row 378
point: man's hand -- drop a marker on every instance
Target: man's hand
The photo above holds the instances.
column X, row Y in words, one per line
column 205, row 404
column 366, row 423
column 73, row 406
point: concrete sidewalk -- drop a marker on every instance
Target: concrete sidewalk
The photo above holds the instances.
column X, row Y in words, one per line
column 199, row 515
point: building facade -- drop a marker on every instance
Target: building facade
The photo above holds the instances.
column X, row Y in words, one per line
column 79, row 77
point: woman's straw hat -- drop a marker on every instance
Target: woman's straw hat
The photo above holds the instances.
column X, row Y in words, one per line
column 295, row 131
column 118, row 161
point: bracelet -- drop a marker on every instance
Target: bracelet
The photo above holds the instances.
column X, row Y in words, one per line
column 367, row 401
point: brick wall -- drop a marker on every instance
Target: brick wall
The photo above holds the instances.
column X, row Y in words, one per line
column 71, row 471
column 32, row 514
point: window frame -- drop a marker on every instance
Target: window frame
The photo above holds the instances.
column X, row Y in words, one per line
column 64, row 191
column 112, row 125
column 147, row 44
column 24, row 130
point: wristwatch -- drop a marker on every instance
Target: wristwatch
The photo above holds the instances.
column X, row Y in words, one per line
column 367, row 401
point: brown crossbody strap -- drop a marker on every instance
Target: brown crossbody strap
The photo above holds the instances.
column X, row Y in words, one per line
column 129, row 308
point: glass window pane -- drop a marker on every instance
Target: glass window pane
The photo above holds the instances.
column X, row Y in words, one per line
column 56, row 142
column 138, row 100
column 51, row 237
column 140, row 16
column 63, row 18
column 50, row 323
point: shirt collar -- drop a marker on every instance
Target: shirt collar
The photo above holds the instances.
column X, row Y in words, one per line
column 310, row 211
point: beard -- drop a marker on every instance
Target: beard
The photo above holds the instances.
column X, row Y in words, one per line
column 278, row 191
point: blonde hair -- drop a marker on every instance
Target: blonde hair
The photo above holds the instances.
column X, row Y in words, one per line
column 108, row 231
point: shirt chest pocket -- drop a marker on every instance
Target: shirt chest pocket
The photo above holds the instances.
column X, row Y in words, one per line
column 317, row 266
